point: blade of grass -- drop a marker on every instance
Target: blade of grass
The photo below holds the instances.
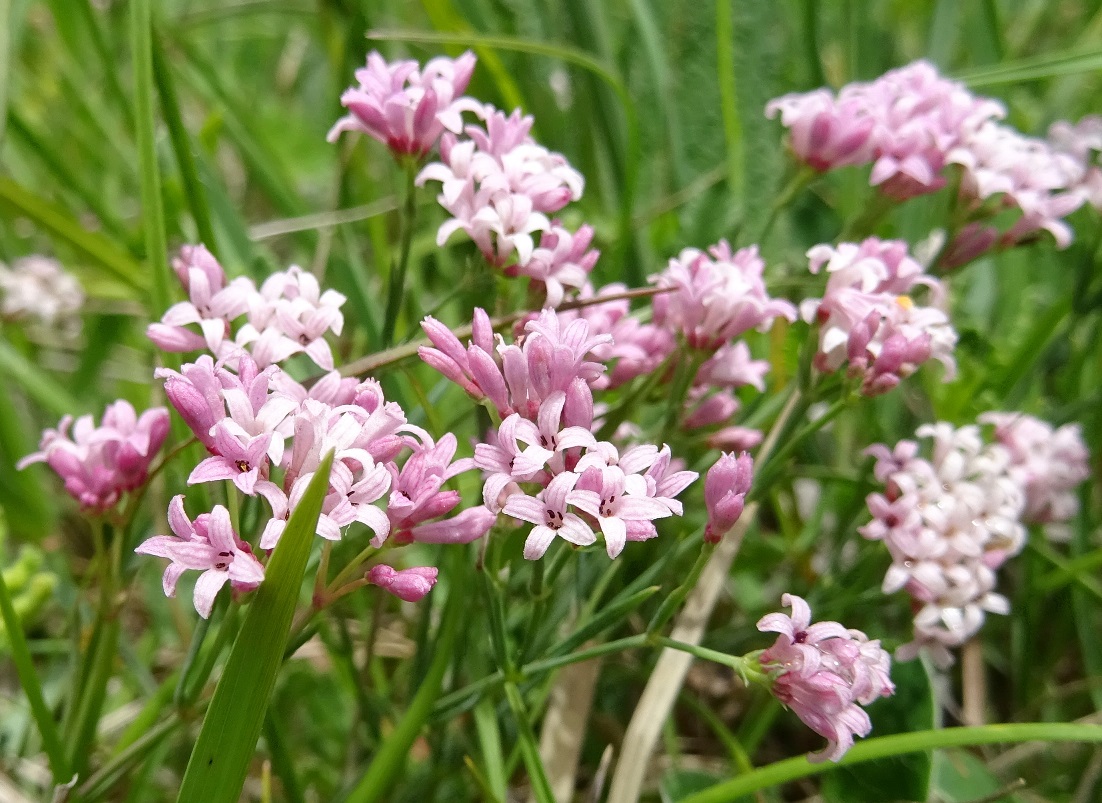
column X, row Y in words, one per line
column 896, row 745
column 1035, row 68
column 36, row 383
column 64, row 226
column 181, row 146
column 6, row 25
column 227, row 740
column 153, row 215
column 28, row 680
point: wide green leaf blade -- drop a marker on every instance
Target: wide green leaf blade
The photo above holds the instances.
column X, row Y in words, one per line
column 220, row 759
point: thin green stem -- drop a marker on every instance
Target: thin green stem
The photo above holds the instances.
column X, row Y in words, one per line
column 529, row 747
column 670, row 605
column 684, row 373
column 770, row 468
column 28, row 680
column 397, row 286
column 99, row 783
column 748, row 668
column 804, row 176
column 898, row 744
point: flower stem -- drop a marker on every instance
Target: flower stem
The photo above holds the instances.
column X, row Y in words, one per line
column 748, row 669
column 670, row 605
column 396, row 287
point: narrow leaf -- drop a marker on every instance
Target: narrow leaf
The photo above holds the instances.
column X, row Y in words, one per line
column 221, row 756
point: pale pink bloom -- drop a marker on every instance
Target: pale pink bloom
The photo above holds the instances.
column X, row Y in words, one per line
column 616, row 499
column 725, row 487
column 1025, row 173
column 290, row 315
column 518, row 377
column 1083, row 142
column 705, row 410
column 212, row 303
column 548, row 512
column 868, row 319
column 825, row 133
column 506, row 462
column 39, row 287
column 209, row 545
column 563, row 259
column 825, row 673
column 972, row 241
column 717, row 296
column 416, row 495
column 735, row 439
column 331, row 388
column 732, row 367
column 499, row 185
column 409, row 585
column 99, row 464
column 404, row 107
column 1048, row 463
column 239, row 457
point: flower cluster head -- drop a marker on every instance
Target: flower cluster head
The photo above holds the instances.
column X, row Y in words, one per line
column 868, row 317
column 913, row 125
column 403, row 106
column 948, row 522
column 1047, row 462
column 725, row 487
column 499, row 186
column 825, row 673
column 717, row 296
column 38, row 288
column 209, row 545
column 543, row 464
column 288, row 315
column 99, row 464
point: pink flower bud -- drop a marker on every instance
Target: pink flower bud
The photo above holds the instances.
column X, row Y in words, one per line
column 725, row 488
column 410, row 585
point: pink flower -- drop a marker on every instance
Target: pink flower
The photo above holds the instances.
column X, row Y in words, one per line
column 240, row 457
column 725, row 487
column 825, row 673
column 548, row 512
column 209, row 545
column 732, row 367
column 868, row 319
column 563, row 259
column 1048, row 463
column 212, row 303
column 410, row 584
column 824, row 133
column 404, row 107
column 416, row 494
column 716, row 299
column 620, row 503
column 99, row 464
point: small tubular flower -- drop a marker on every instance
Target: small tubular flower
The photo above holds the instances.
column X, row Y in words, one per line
column 403, row 106
column 209, row 545
column 411, row 584
column 825, row 673
column 725, row 487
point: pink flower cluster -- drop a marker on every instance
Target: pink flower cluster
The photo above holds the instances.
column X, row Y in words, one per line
column 99, row 464
column 949, row 522
column 543, row 464
column 499, row 186
column 1048, row 462
column 825, row 673
column 288, row 315
column 403, row 106
column 911, row 124
column 868, row 318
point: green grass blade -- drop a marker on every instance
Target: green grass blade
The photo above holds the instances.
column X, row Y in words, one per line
column 896, row 745
column 1035, row 68
column 36, row 383
column 5, row 63
column 182, row 147
column 728, row 95
column 153, row 214
column 65, row 227
column 221, row 756
column 28, row 679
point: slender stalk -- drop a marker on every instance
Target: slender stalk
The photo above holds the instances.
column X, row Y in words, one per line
column 897, row 744
column 397, row 286
column 529, row 747
column 28, row 680
column 748, row 669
